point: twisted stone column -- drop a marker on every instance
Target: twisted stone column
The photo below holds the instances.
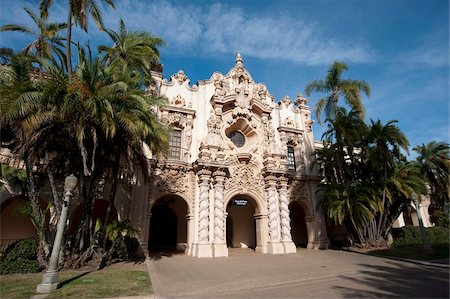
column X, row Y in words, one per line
column 219, row 209
column 284, row 212
column 203, row 214
column 272, row 208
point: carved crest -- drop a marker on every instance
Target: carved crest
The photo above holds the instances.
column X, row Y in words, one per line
column 245, row 178
column 178, row 101
column 173, row 180
column 180, row 77
column 286, row 101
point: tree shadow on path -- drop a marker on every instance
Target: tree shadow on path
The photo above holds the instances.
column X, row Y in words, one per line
column 399, row 280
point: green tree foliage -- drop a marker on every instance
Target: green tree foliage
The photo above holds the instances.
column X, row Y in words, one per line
column 336, row 88
column 135, row 50
column 47, row 41
column 86, row 121
column 434, row 162
column 78, row 13
column 368, row 182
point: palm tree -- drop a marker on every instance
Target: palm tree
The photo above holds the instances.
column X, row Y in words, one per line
column 337, row 88
column 434, row 162
column 78, row 11
column 385, row 142
column 135, row 50
column 17, row 97
column 46, row 37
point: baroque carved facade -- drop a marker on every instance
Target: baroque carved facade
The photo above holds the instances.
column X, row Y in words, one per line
column 237, row 153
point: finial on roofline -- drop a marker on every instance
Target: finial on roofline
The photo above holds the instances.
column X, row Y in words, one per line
column 239, row 58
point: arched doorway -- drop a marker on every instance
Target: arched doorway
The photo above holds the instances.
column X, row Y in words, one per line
column 298, row 225
column 168, row 224
column 241, row 224
column 14, row 224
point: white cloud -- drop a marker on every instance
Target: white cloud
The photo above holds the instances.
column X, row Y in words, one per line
column 218, row 28
column 429, row 55
column 215, row 28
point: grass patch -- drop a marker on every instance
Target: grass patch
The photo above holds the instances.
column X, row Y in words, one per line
column 97, row 284
column 415, row 252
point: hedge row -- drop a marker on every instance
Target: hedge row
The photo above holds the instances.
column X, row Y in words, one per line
column 410, row 235
column 20, row 257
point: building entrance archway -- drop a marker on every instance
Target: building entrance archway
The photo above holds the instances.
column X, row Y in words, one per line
column 299, row 231
column 241, row 223
column 168, row 224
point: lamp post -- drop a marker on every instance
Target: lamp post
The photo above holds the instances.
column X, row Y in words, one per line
column 426, row 246
column 50, row 280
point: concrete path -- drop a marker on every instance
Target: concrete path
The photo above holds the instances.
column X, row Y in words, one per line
column 307, row 274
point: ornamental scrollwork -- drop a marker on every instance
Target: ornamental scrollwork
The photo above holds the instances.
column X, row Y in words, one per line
column 180, row 77
column 173, row 180
column 244, row 177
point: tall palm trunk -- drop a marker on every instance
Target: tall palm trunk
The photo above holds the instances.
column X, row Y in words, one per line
column 113, row 192
column 69, row 41
column 38, row 216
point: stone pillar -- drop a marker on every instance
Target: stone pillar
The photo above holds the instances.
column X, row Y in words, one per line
column 310, row 231
column 190, row 233
column 285, row 220
column 203, row 248
column 219, row 244
column 274, row 245
column 261, row 224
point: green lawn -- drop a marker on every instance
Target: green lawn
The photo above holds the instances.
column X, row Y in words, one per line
column 97, row 284
column 441, row 251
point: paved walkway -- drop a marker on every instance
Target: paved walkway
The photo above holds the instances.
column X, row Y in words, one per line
column 307, row 274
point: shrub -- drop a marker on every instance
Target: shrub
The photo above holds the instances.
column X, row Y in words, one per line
column 132, row 245
column 24, row 249
column 19, row 266
column 410, row 235
column 20, row 257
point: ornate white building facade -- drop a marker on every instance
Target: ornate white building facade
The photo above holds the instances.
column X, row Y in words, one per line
column 238, row 172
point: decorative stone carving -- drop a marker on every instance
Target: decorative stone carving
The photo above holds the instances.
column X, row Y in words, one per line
column 271, row 195
column 245, row 178
column 260, row 92
column 173, row 180
column 240, row 76
column 213, row 138
column 301, row 100
column 308, row 125
column 284, row 211
column 180, row 77
column 286, row 101
column 203, row 214
column 290, row 137
column 221, row 86
column 289, row 122
column 219, row 208
column 178, row 101
column 300, row 191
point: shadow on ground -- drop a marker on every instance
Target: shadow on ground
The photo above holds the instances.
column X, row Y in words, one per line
column 67, row 281
column 159, row 254
column 398, row 280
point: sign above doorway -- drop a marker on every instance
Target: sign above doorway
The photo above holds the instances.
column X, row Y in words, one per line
column 240, row 202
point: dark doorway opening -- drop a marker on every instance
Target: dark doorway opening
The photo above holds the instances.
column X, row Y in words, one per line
column 298, row 225
column 168, row 224
column 241, row 224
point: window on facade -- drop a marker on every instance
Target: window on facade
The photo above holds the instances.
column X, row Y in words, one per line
column 175, row 145
column 237, row 138
column 291, row 158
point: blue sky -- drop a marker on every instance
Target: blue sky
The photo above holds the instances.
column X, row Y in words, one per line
column 400, row 47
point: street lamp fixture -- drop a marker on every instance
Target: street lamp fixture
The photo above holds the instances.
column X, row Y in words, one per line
column 50, row 280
